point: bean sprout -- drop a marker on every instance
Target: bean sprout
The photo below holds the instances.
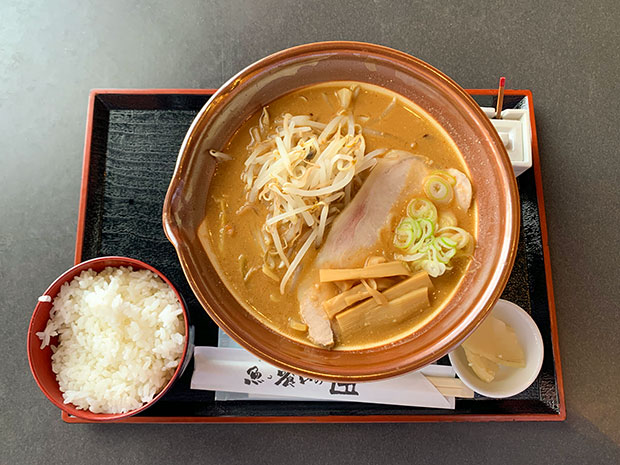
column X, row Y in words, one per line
column 305, row 172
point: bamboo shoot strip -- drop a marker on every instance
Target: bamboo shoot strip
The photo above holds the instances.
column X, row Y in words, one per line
column 347, row 298
column 297, row 325
column 374, row 293
column 417, row 281
column 344, row 285
column 369, row 314
column 380, row 270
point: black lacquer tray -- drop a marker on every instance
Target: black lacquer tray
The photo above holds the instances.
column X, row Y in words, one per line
column 132, row 142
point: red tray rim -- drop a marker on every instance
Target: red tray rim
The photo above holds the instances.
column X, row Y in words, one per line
column 417, row 418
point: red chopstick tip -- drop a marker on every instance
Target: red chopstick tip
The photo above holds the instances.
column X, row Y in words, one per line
column 502, row 81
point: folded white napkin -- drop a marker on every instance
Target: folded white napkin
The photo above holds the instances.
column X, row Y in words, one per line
column 236, row 370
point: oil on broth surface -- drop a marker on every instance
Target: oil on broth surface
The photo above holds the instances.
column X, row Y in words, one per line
column 400, row 126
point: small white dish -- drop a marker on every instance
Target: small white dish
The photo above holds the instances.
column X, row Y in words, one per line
column 509, row 381
column 515, row 131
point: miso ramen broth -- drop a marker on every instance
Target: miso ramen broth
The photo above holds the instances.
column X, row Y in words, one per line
column 397, row 212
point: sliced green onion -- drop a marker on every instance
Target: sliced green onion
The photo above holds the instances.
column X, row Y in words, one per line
column 438, row 189
column 427, row 226
column 447, row 176
column 446, row 242
column 459, row 235
column 425, row 230
column 406, row 223
column 405, row 233
column 422, row 208
column 445, row 249
column 417, row 230
column 426, row 246
column 445, row 257
column 422, row 247
column 433, row 268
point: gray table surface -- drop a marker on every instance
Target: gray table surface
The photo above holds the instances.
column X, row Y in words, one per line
column 53, row 53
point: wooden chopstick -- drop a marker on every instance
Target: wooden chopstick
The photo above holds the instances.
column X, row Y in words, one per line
column 453, row 387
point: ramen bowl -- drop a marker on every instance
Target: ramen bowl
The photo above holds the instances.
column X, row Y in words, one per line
column 444, row 101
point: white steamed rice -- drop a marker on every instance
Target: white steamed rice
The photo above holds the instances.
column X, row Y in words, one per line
column 121, row 336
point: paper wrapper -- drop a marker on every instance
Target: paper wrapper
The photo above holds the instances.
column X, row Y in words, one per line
column 236, row 370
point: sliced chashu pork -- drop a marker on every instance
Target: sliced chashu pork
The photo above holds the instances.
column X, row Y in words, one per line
column 356, row 233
